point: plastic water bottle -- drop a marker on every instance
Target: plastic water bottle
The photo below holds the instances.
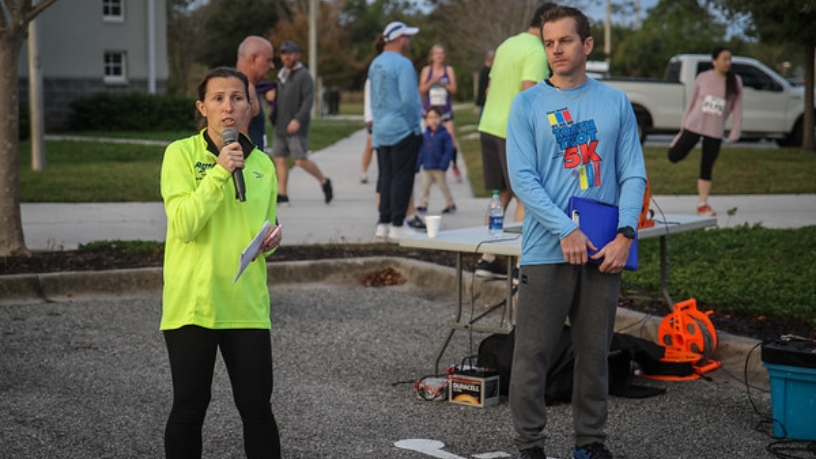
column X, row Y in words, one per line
column 495, row 215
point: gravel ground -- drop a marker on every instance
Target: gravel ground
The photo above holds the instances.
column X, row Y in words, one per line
column 91, row 379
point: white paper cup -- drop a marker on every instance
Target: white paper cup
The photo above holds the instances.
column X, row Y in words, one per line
column 432, row 223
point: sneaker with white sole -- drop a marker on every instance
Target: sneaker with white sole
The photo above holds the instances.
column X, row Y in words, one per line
column 493, row 269
column 705, row 210
column 489, row 270
column 416, row 223
column 381, row 231
column 395, row 233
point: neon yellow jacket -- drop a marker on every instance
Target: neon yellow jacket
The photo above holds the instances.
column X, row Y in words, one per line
column 207, row 228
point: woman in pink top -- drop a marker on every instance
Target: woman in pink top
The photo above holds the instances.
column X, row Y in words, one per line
column 717, row 94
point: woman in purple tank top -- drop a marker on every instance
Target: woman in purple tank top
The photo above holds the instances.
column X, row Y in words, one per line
column 437, row 85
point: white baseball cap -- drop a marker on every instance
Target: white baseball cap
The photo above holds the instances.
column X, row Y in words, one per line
column 397, row 29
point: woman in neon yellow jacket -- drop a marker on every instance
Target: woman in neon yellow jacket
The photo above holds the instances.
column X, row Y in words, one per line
column 203, row 310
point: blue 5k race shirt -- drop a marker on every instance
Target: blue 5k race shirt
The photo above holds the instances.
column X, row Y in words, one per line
column 571, row 142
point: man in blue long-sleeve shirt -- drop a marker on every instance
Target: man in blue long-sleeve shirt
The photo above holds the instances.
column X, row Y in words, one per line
column 569, row 136
column 397, row 133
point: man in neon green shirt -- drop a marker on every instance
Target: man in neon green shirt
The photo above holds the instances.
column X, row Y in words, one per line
column 520, row 63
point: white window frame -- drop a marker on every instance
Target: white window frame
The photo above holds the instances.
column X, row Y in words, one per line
column 111, row 78
column 110, row 4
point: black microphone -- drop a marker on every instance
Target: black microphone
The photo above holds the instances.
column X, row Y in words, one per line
column 228, row 136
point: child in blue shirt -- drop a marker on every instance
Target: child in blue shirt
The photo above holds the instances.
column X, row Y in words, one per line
column 434, row 159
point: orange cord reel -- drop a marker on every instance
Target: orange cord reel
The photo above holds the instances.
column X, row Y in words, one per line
column 688, row 336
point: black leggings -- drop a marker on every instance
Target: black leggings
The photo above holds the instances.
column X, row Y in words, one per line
column 687, row 141
column 248, row 357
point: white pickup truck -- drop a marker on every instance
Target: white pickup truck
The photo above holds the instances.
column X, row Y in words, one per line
column 772, row 106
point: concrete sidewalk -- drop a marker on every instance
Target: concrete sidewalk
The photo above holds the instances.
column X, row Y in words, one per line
column 351, row 217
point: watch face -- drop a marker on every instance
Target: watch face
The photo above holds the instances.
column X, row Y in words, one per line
column 627, row 232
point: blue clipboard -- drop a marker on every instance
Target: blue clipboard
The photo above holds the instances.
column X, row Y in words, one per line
column 599, row 222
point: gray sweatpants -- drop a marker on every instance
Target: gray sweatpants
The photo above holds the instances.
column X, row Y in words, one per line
column 547, row 295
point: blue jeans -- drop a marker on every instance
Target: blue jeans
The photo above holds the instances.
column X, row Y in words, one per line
column 247, row 354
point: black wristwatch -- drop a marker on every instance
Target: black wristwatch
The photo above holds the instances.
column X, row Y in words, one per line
column 627, row 231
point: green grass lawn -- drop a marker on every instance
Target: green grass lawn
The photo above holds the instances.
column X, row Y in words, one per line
column 739, row 270
column 92, row 171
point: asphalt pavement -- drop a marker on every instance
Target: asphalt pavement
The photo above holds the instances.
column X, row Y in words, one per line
column 83, row 371
column 90, row 378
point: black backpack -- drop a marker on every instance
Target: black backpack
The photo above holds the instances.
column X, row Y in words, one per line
column 626, row 353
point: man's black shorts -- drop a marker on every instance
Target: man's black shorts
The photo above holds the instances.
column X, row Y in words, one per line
column 494, row 162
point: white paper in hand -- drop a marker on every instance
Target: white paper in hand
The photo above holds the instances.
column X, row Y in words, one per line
column 252, row 250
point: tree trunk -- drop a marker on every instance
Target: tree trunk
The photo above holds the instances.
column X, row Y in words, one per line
column 808, row 120
column 11, row 224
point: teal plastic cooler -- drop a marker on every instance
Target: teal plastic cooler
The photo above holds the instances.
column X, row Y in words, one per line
column 793, row 399
column 791, row 365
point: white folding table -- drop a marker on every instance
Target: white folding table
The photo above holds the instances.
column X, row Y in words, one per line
column 476, row 240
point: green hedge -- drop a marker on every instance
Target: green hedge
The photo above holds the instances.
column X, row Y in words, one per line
column 744, row 269
column 132, row 112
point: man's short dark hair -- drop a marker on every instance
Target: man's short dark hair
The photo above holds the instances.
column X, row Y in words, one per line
column 561, row 12
column 537, row 16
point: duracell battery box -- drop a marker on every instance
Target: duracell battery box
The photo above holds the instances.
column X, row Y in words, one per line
column 474, row 387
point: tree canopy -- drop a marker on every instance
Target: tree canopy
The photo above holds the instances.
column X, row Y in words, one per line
column 227, row 22
column 671, row 27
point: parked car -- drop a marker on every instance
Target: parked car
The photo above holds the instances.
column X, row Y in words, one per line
column 772, row 106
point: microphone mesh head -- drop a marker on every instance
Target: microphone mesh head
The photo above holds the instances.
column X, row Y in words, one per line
column 229, row 135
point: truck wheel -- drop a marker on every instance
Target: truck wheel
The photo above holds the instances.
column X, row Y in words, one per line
column 641, row 123
column 794, row 139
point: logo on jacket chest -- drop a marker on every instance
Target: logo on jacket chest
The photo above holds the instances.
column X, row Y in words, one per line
column 579, row 142
column 201, row 169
